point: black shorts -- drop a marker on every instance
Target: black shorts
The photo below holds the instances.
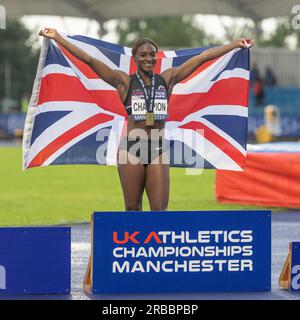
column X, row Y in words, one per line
column 146, row 150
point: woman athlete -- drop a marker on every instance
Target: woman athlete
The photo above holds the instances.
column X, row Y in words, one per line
column 146, row 168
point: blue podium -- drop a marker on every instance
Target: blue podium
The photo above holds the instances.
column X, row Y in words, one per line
column 190, row 251
column 35, row 260
column 290, row 274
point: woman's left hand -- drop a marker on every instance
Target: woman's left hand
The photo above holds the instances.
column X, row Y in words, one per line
column 244, row 43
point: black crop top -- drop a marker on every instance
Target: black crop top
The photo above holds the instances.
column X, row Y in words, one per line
column 135, row 102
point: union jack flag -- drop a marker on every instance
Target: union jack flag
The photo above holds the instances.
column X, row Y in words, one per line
column 74, row 117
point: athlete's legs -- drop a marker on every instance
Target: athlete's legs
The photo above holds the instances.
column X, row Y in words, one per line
column 132, row 177
column 158, row 184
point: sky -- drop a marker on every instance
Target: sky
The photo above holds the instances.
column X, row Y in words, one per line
column 90, row 27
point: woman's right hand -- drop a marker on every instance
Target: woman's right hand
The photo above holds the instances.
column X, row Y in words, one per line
column 48, row 33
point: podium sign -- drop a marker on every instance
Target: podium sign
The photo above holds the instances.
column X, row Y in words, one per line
column 295, row 272
column 35, row 260
column 143, row 252
column 290, row 274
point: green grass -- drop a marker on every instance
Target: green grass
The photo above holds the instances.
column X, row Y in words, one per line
column 69, row 194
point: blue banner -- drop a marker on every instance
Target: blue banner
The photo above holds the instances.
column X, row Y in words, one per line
column 11, row 123
column 295, row 269
column 136, row 252
column 290, row 125
column 35, row 260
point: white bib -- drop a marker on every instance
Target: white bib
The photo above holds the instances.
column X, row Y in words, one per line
column 138, row 106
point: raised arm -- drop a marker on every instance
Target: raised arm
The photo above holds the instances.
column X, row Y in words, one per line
column 175, row 75
column 115, row 78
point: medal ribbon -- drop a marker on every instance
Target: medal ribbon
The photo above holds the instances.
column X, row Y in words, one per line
column 149, row 100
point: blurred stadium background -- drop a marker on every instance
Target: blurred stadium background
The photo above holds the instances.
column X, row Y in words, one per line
column 69, row 194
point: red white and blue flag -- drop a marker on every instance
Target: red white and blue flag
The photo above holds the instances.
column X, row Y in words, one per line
column 74, row 117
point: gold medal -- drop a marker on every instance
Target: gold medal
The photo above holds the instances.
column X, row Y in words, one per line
column 149, row 119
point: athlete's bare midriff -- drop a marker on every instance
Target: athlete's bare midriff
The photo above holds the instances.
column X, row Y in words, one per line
column 152, row 132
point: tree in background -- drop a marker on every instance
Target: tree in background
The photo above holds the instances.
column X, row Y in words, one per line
column 167, row 32
column 183, row 32
column 17, row 55
column 235, row 29
column 279, row 36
